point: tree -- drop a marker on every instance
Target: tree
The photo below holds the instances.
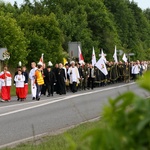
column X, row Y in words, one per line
column 44, row 36
column 12, row 37
column 102, row 26
column 147, row 13
column 143, row 30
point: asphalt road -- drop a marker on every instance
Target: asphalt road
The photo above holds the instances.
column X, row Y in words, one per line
column 20, row 121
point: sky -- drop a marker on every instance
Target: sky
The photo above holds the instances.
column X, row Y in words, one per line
column 141, row 3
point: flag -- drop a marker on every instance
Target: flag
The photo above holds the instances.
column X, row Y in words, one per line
column 41, row 61
column 93, row 58
column 115, row 55
column 81, row 59
column 101, row 66
column 64, row 61
column 124, row 58
column 103, row 56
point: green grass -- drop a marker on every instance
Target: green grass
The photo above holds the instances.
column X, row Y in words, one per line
column 58, row 142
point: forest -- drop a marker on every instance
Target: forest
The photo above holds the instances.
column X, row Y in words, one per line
column 47, row 26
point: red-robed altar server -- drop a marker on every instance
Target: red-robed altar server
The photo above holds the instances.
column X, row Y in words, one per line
column 25, row 82
column 19, row 80
column 6, row 79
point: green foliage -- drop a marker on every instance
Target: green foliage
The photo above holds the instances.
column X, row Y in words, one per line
column 144, row 81
column 12, row 37
column 101, row 24
column 147, row 13
column 47, row 26
column 44, row 36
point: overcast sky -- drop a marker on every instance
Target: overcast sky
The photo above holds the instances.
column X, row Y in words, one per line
column 141, row 3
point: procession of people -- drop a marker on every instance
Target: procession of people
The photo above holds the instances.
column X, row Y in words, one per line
column 70, row 77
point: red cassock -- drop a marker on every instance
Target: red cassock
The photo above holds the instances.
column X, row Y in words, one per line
column 20, row 92
column 5, row 93
column 25, row 90
column 5, row 78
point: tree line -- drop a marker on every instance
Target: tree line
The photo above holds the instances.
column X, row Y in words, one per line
column 47, row 26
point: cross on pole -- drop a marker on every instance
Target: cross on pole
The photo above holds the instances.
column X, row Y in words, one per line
column 102, row 54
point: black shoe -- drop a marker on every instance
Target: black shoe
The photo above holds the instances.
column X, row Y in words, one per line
column 38, row 98
column 48, row 95
column 18, row 99
column 33, row 98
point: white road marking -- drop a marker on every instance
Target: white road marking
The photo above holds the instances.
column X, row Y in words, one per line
column 22, row 104
column 63, row 99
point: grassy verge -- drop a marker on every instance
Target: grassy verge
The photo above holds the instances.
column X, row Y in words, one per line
column 58, row 142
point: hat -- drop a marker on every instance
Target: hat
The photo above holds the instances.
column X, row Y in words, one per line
column 19, row 64
column 50, row 63
column 40, row 63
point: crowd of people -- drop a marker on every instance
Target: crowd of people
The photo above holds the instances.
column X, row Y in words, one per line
column 72, row 77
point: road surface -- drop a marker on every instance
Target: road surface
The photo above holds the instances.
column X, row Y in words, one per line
column 20, row 121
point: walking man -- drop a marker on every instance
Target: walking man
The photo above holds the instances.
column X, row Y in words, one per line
column 50, row 80
column 32, row 78
column 39, row 81
column 74, row 76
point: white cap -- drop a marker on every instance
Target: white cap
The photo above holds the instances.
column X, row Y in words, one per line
column 40, row 63
column 20, row 64
column 72, row 62
column 50, row 63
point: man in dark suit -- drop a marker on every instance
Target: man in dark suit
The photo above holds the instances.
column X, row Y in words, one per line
column 61, row 80
column 49, row 81
column 55, row 70
column 91, row 76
